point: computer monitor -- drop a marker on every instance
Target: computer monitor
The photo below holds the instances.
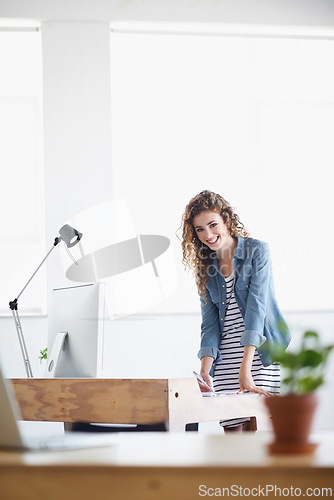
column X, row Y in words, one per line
column 80, row 312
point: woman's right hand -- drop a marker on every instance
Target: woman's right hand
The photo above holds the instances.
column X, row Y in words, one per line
column 206, row 364
column 207, row 379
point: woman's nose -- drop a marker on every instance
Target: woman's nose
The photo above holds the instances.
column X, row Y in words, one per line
column 209, row 234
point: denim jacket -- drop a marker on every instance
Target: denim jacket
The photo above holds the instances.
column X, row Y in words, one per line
column 255, row 296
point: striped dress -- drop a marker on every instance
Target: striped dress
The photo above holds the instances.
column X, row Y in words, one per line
column 226, row 374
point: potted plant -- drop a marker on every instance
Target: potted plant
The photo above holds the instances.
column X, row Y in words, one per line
column 43, row 355
column 292, row 412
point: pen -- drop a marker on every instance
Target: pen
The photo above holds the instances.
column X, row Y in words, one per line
column 201, row 379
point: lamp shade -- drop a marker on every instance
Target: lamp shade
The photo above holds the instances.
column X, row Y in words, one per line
column 69, row 235
column 138, row 269
column 119, row 258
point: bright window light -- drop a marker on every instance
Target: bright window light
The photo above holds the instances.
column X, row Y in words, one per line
column 249, row 117
column 22, row 181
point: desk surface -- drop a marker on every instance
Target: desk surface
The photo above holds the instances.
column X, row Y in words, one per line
column 131, row 401
column 164, row 466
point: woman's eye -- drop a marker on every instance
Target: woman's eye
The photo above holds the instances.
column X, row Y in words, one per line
column 214, row 224
column 199, row 229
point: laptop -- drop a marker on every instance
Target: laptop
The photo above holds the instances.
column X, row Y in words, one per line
column 13, row 437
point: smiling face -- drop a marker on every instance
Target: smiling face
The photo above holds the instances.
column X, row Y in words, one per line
column 211, row 230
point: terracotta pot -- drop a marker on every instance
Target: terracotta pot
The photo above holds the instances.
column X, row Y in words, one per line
column 292, row 417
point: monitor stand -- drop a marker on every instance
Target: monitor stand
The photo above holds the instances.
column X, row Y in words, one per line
column 59, row 345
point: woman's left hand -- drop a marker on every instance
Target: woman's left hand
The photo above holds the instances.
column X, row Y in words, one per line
column 247, row 383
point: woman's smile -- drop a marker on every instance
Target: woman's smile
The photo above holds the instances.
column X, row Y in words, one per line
column 214, row 240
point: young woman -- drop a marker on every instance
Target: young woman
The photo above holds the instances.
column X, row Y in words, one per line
column 240, row 315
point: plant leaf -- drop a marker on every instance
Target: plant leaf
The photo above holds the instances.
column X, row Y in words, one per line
column 287, row 381
column 43, row 354
column 305, row 366
column 310, row 339
column 309, row 384
column 287, row 359
column 310, row 358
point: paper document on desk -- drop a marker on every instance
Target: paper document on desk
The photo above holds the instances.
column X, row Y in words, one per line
column 212, row 394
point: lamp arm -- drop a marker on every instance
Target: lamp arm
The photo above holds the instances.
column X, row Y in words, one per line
column 13, row 305
column 22, row 342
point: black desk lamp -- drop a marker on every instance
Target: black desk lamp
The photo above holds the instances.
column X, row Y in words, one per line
column 70, row 237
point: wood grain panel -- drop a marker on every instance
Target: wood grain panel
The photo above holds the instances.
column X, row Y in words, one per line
column 131, row 401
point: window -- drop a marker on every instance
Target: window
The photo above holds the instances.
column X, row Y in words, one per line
column 22, row 181
column 249, row 117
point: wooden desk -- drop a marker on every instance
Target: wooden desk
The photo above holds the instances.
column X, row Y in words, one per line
column 127, row 401
column 165, row 466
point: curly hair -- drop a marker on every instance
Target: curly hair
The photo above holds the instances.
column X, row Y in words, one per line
column 196, row 255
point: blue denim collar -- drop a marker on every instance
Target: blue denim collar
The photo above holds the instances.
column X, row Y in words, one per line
column 240, row 251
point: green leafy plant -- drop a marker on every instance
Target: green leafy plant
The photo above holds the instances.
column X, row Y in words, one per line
column 43, row 355
column 305, row 367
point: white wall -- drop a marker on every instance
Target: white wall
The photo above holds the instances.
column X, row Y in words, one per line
column 77, row 128
column 78, row 170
